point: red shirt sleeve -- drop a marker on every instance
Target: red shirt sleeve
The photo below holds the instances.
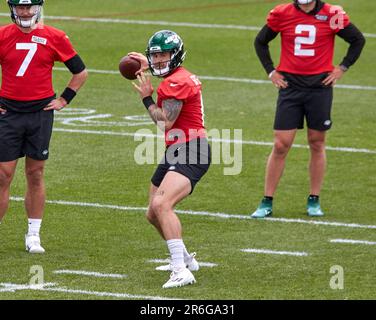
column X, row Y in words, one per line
column 273, row 20
column 177, row 90
column 63, row 48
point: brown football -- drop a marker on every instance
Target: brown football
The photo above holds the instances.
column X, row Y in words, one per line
column 128, row 67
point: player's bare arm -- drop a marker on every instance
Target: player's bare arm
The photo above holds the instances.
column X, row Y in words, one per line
column 170, row 108
column 168, row 114
column 76, row 82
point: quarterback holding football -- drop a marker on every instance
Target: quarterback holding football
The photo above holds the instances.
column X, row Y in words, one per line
column 179, row 112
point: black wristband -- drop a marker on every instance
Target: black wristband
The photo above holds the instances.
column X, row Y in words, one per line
column 148, row 101
column 68, row 94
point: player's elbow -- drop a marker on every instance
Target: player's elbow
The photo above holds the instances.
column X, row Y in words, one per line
column 81, row 77
column 362, row 41
column 168, row 125
column 164, row 125
column 84, row 74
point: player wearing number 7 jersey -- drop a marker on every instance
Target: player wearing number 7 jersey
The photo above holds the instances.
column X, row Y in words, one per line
column 28, row 50
column 305, row 78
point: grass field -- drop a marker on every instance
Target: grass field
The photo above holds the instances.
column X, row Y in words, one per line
column 94, row 220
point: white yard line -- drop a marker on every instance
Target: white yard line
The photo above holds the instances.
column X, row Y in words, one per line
column 369, row 35
column 109, row 294
column 245, row 142
column 207, row 214
column 91, row 274
column 254, row 81
column 201, row 264
column 230, row 79
column 10, row 287
column 349, row 241
column 161, row 23
column 265, row 251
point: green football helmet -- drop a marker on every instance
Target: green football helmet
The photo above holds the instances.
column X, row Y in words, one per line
column 166, row 41
column 35, row 9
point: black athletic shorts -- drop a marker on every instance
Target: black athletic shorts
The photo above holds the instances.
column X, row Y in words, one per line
column 25, row 133
column 296, row 104
column 191, row 159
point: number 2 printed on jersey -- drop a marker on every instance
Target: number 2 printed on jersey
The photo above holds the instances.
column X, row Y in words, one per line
column 310, row 39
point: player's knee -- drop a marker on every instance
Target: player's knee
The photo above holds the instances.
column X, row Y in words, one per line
column 316, row 145
column 150, row 216
column 35, row 175
column 159, row 206
column 5, row 178
column 281, row 148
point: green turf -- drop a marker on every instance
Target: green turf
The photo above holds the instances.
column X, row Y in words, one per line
column 99, row 168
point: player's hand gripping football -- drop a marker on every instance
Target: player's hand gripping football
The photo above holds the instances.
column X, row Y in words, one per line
column 278, row 80
column 332, row 78
column 142, row 59
column 144, row 87
column 56, row 104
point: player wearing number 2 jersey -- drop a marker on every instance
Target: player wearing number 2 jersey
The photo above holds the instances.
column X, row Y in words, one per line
column 179, row 112
column 305, row 78
column 28, row 51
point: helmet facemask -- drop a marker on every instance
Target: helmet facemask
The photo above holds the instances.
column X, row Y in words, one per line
column 32, row 19
column 157, row 68
column 176, row 59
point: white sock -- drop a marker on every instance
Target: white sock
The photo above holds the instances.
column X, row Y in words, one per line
column 187, row 256
column 175, row 246
column 34, row 226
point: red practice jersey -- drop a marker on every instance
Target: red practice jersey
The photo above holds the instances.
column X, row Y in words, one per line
column 27, row 59
column 184, row 86
column 307, row 40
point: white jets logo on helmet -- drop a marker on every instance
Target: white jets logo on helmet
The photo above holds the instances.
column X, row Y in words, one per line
column 174, row 38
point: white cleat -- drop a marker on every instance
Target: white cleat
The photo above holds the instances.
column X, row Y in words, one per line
column 32, row 243
column 191, row 264
column 179, row 278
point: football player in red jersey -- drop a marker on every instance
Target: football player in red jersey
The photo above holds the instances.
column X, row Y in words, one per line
column 305, row 78
column 28, row 50
column 179, row 112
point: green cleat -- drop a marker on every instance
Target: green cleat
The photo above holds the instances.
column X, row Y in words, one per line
column 313, row 207
column 265, row 209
